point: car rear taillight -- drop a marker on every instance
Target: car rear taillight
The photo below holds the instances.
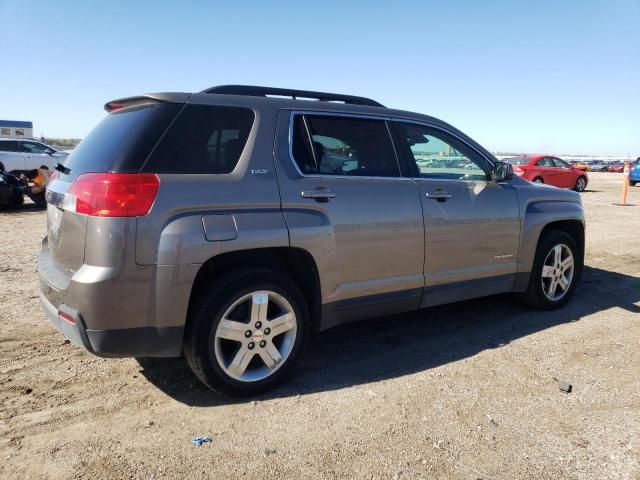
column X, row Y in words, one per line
column 113, row 194
column 518, row 170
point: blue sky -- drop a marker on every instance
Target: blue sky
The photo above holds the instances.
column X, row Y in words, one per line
column 530, row 76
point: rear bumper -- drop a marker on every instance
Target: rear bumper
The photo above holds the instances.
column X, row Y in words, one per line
column 126, row 342
column 112, row 316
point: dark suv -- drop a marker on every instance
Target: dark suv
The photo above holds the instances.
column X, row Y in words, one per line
column 228, row 225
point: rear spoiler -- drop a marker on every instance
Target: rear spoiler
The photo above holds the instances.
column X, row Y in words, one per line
column 146, row 99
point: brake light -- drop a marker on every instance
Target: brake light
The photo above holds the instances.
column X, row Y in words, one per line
column 113, row 106
column 518, row 170
column 114, row 194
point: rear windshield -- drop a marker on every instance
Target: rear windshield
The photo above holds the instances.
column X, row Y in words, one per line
column 203, row 139
column 517, row 160
column 121, row 141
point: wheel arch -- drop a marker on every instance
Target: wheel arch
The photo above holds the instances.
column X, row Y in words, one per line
column 298, row 264
column 540, row 217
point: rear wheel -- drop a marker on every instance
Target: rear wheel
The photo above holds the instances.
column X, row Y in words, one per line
column 38, row 199
column 581, row 184
column 538, row 180
column 632, row 183
column 1, row 167
column 246, row 332
column 556, row 269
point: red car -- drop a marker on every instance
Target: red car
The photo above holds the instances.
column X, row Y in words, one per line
column 550, row 170
column 616, row 167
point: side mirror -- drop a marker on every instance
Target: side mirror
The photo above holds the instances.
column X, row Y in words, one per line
column 501, row 172
column 49, row 151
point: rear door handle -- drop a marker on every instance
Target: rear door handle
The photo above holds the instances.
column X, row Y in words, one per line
column 318, row 195
column 438, row 195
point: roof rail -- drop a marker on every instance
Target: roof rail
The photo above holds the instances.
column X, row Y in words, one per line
column 255, row 91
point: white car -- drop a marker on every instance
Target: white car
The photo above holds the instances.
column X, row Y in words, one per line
column 22, row 155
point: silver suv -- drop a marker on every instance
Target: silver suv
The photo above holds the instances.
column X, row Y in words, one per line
column 229, row 225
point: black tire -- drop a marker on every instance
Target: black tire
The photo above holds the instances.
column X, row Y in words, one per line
column 534, row 295
column 580, row 186
column 632, row 183
column 538, row 180
column 206, row 312
column 38, row 199
column 1, row 167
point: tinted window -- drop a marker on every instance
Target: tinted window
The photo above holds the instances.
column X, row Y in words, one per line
column 435, row 154
column 8, row 146
column 331, row 145
column 203, row 139
column 33, row 147
column 121, row 141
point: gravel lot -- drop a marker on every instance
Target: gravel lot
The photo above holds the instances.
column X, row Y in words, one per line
column 467, row 391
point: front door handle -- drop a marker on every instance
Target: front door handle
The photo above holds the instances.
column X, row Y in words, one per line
column 318, row 195
column 438, row 195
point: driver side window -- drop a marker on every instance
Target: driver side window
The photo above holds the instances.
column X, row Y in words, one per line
column 433, row 153
column 33, row 147
column 560, row 163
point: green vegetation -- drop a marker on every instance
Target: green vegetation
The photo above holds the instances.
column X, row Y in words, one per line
column 61, row 142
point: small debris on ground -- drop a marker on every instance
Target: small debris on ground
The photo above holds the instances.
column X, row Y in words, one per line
column 565, row 386
column 198, row 441
column 268, row 451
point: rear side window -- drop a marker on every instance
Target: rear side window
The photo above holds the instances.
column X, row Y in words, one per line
column 203, row 139
column 332, row 145
column 545, row 162
column 121, row 141
column 8, row 146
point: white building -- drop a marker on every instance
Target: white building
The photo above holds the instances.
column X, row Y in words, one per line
column 16, row 129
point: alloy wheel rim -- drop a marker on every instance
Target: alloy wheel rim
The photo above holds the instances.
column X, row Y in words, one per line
column 581, row 184
column 558, row 272
column 255, row 336
column 537, row 180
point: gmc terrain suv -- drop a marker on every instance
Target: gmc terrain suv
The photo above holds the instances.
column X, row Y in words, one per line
column 228, row 225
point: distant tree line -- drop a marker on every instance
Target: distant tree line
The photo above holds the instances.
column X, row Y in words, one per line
column 61, row 142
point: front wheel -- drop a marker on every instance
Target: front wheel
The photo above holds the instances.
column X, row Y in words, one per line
column 556, row 269
column 581, row 184
column 538, row 180
column 632, row 183
column 246, row 332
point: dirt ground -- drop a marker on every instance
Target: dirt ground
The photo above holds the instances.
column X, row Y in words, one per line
column 466, row 391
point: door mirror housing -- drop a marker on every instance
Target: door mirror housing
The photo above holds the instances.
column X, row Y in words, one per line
column 49, row 151
column 501, row 172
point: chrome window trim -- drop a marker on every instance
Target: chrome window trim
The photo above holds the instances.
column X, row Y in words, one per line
column 384, row 118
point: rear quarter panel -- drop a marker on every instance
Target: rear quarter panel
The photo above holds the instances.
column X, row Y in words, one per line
column 196, row 217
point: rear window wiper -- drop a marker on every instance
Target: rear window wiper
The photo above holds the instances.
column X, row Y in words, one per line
column 62, row 169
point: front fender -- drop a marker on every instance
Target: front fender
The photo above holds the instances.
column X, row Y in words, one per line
column 537, row 215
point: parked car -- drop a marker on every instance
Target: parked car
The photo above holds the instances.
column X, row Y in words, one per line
column 584, row 166
column 634, row 174
column 550, row 170
column 616, row 167
column 598, row 166
column 20, row 156
column 208, row 224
